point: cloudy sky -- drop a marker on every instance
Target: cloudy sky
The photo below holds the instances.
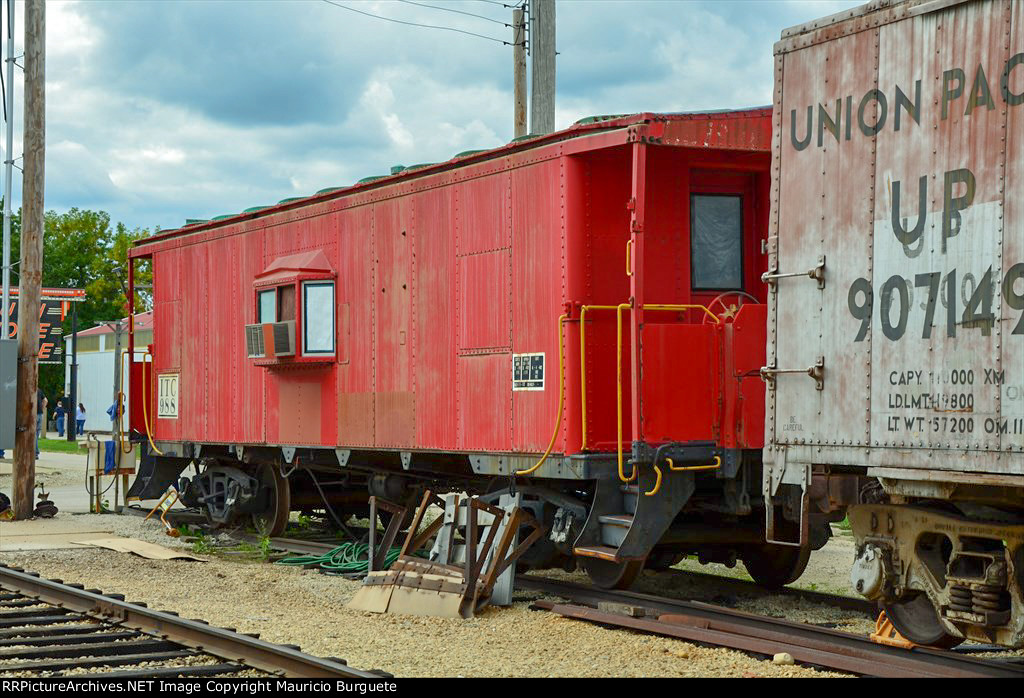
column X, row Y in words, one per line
column 159, row 111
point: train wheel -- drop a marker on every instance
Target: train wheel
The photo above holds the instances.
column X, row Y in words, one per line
column 273, row 520
column 612, row 575
column 917, row 620
column 774, row 566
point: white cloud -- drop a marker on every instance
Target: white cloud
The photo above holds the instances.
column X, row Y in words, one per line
column 161, row 111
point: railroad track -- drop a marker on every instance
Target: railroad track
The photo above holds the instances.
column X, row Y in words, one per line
column 48, row 628
column 724, row 627
column 726, row 585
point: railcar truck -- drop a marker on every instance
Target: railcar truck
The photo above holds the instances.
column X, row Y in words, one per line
column 896, row 302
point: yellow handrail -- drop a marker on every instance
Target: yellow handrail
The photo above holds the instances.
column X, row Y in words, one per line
column 692, row 306
column 119, row 411
column 583, row 363
column 715, row 466
column 618, row 381
column 561, row 400
column 145, row 402
column 657, row 484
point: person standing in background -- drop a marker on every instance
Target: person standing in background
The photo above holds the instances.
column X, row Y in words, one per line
column 59, row 415
column 41, row 403
column 80, row 418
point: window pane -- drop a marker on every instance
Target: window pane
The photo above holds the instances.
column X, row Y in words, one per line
column 286, row 303
column 268, row 307
column 716, row 242
column 318, row 318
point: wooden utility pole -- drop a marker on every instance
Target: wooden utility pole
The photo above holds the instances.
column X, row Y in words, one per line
column 519, row 72
column 542, row 63
column 30, row 273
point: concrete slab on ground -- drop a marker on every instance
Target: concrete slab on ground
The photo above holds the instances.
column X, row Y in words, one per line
column 49, row 534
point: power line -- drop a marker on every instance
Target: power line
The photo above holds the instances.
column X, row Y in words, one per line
column 498, row 2
column 449, row 9
column 416, row 24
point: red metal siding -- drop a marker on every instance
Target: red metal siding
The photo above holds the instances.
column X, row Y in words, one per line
column 440, row 280
column 395, row 409
column 538, row 262
column 356, row 293
column 435, row 319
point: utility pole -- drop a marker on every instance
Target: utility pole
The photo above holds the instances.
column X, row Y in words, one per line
column 519, row 72
column 8, row 170
column 542, row 63
column 30, row 273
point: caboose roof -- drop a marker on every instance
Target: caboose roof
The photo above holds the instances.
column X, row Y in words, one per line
column 739, row 130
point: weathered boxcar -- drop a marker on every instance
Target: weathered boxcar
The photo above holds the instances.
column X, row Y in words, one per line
column 581, row 311
column 898, row 348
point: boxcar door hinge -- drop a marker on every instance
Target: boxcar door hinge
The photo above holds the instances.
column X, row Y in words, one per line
column 817, row 372
column 816, row 272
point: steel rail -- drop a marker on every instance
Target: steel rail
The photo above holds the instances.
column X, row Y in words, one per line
column 279, row 660
column 847, row 603
column 302, row 546
column 715, row 625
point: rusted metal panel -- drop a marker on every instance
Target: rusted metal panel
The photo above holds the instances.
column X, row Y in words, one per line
column 485, row 402
column 919, row 286
column 393, row 222
column 301, row 403
column 749, row 130
column 357, row 289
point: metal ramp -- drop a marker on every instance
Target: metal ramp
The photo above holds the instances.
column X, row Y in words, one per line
column 474, row 546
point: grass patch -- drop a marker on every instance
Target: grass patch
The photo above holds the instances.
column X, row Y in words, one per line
column 59, row 446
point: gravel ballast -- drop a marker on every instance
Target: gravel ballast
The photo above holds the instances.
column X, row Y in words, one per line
column 305, row 608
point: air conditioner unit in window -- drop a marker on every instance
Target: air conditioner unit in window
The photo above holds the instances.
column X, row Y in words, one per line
column 254, row 341
column 283, row 338
column 270, row 340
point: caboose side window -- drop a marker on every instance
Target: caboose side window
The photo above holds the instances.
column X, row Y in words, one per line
column 716, row 242
column 268, row 306
column 286, row 303
column 318, row 317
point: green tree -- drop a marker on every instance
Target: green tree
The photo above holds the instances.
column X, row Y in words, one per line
column 82, row 250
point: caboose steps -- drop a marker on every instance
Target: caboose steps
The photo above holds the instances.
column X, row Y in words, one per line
column 601, row 552
column 630, row 497
column 614, row 528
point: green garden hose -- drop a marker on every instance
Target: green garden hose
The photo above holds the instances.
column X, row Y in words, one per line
column 347, row 558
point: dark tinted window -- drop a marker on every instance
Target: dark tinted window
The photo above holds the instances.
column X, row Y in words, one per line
column 285, row 303
column 716, row 242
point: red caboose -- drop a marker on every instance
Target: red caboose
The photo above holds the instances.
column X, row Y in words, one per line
column 582, row 311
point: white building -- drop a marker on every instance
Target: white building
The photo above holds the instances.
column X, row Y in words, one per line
column 96, row 364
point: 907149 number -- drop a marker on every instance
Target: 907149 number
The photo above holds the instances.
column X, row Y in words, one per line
column 895, row 296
